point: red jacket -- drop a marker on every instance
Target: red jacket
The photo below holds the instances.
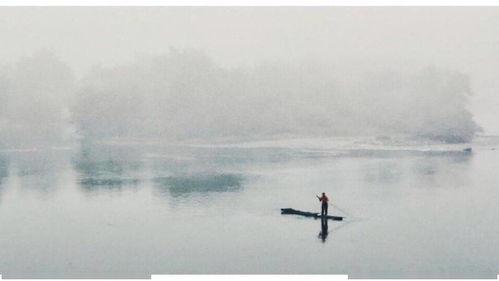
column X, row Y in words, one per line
column 324, row 199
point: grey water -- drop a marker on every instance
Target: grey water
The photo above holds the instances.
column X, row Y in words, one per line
column 132, row 209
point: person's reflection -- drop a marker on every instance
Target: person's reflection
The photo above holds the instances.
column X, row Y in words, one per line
column 324, row 230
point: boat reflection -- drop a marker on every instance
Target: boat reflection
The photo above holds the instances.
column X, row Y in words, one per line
column 324, row 230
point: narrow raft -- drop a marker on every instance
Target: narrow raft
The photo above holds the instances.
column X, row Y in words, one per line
column 290, row 211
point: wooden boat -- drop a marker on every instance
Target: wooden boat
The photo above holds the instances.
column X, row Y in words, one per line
column 290, row 211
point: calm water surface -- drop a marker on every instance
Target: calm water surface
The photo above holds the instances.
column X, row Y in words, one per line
column 130, row 210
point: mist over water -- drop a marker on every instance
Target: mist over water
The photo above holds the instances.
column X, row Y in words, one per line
column 131, row 210
column 176, row 161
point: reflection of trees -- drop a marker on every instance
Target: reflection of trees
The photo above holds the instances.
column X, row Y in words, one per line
column 440, row 167
column 95, row 175
column 387, row 171
column 4, row 172
column 3, row 167
column 39, row 170
column 392, row 167
column 206, row 183
column 107, row 168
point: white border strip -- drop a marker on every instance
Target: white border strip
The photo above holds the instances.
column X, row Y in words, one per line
column 162, row 277
column 249, row 3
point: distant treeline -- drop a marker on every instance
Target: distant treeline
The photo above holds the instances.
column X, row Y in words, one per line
column 184, row 94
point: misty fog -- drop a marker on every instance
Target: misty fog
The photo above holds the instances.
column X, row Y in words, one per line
column 184, row 94
column 166, row 140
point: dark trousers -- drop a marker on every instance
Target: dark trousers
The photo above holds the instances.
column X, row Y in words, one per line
column 324, row 210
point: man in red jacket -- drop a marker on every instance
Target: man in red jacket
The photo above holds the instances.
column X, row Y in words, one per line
column 324, row 201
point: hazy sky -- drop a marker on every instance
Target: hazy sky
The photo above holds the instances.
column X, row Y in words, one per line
column 459, row 38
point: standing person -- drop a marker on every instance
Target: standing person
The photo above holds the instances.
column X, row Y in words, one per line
column 324, row 201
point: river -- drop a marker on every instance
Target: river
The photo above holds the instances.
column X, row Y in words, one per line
column 132, row 209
